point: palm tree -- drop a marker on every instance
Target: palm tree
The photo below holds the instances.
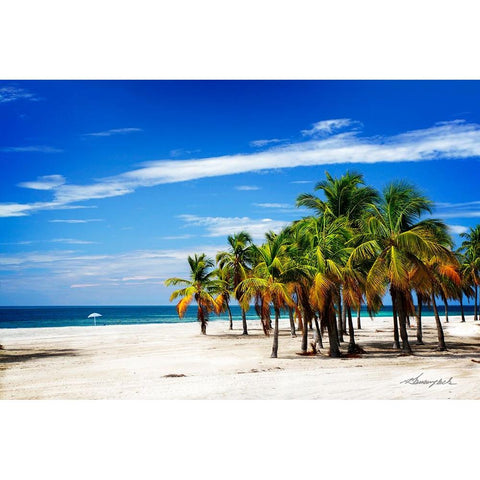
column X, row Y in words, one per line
column 327, row 255
column 200, row 286
column 268, row 282
column 346, row 197
column 439, row 272
column 394, row 237
column 300, row 279
column 466, row 288
column 223, row 289
column 238, row 259
column 471, row 264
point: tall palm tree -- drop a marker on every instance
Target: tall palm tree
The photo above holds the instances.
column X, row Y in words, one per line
column 437, row 273
column 347, row 197
column 327, row 256
column 268, row 282
column 223, row 289
column 394, row 236
column 471, row 264
column 300, row 279
column 466, row 288
column 238, row 259
column 199, row 287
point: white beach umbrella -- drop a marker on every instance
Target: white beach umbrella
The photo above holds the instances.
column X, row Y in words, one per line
column 94, row 316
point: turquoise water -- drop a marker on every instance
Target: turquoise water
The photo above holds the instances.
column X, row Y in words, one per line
column 31, row 317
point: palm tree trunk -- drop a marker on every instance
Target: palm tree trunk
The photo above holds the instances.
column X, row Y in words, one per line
column 352, row 347
column 344, row 318
column 230, row 316
column 305, row 331
column 441, row 339
column 292, row 322
column 244, row 322
column 475, row 316
column 402, row 320
column 396, row 340
column 201, row 318
column 359, row 324
column 275, row 335
column 419, row 320
column 300, row 323
column 461, row 307
column 329, row 315
column 446, row 309
column 339, row 322
column 408, row 321
column 319, row 333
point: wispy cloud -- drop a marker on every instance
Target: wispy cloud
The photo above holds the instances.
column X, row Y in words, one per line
column 177, row 237
column 68, row 269
column 264, row 143
column 84, row 285
column 47, row 182
column 224, row 226
column 31, row 148
column 86, row 220
column 446, row 140
column 302, row 181
column 458, row 210
column 72, row 241
column 328, row 126
column 12, row 94
column 272, row 205
column 457, row 229
column 113, row 131
column 24, row 209
column 246, row 188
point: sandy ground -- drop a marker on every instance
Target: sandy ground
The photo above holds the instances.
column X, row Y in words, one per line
column 135, row 361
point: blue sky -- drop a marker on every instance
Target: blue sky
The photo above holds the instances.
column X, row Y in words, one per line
column 107, row 186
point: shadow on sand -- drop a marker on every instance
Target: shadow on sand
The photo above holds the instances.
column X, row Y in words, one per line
column 18, row 355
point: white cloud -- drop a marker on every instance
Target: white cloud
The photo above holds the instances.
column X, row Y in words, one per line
column 88, row 220
column 177, row 237
column 264, row 143
column 457, row 229
column 14, row 209
column 113, row 131
column 23, row 209
column 47, row 182
column 458, row 210
column 302, row 181
column 72, row 241
column 116, row 274
column 224, row 226
column 328, row 126
column 447, row 140
column 139, row 277
column 247, row 188
column 76, row 193
column 11, row 94
column 32, row 148
column 273, row 205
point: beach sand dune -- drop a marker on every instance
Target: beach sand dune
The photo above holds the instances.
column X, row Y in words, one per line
column 175, row 362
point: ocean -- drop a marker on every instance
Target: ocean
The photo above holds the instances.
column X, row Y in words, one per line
column 34, row 317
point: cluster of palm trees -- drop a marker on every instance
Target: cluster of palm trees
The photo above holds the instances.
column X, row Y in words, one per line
column 357, row 247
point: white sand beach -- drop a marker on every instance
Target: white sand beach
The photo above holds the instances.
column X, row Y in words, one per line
column 175, row 362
